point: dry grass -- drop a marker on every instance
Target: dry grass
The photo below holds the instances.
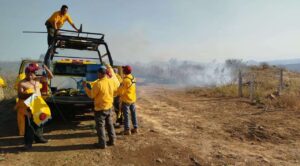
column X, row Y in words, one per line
column 9, row 91
column 266, row 85
column 221, row 91
column 287, row 101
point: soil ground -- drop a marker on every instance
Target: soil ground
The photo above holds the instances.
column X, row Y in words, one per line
column 176, row 128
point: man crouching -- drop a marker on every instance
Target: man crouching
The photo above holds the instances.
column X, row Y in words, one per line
column 103, row 92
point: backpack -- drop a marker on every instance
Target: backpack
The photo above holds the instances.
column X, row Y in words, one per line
column 133, row 81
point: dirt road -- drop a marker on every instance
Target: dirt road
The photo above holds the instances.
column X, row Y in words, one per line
column 176, row 128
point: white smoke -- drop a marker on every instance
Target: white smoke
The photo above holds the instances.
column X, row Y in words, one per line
column 186, row 73
column 212, row 74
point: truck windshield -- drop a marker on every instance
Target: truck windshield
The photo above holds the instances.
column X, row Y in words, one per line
column 68, row 75
column 70, row 69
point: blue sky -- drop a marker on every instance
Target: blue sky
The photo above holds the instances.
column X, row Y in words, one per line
column 141, row 30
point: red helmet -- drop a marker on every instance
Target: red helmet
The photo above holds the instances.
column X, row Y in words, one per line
column 31, row 68
column 127, row 69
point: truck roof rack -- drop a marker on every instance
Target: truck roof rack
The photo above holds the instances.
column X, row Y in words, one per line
column 78, row 40
column 69, row 39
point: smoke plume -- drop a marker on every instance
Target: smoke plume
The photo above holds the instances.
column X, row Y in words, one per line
column 187, row 73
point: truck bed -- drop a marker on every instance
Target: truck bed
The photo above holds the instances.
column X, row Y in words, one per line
column 74, row 100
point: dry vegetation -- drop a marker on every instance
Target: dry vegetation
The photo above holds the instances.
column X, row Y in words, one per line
column 9, row 91
column 9, row 71
column 266, row 83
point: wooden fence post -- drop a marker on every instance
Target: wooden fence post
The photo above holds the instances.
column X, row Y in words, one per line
column 240, row 84
column 251, row 88
column 280, row 87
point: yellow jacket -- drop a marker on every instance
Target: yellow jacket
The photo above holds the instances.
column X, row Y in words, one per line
column 102, row 92
column 2, row 83
column 119, row 78
column 59, row 20
column 127, row 90
column 120, row 81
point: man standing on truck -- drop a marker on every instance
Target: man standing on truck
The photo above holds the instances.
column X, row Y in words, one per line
column 56, row 21
column 102, row 92
column 26, row 88
column 127, row 92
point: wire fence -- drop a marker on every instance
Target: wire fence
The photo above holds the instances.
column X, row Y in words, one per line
column 254, row 83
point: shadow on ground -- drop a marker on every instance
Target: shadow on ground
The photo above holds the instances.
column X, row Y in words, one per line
column 10, row 142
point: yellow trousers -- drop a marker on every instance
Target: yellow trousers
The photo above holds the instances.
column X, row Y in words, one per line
column 21, row 122
column 21, row 108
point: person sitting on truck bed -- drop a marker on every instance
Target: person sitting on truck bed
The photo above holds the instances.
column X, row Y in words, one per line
column 102, row 92
column 56, row 21
column 26, row 88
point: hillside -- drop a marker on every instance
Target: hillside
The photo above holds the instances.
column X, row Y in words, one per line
column 9, row 67
column 293, row 67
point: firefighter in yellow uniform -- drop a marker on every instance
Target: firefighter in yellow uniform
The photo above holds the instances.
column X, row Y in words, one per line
column 26, row 88
column 2, row 85
column 20, row 106
column 127, row 92
column 56, row 21
column 102, row 92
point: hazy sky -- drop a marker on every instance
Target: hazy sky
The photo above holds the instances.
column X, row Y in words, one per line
column 143, row 30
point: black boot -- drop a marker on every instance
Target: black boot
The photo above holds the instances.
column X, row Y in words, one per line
column 110, row 143
column 41, row 140
column 38, row 135
column 27, row 147
column 99, row 146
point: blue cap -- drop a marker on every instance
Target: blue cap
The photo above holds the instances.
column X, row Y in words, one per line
column 102, row 69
